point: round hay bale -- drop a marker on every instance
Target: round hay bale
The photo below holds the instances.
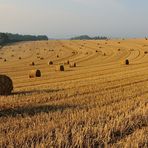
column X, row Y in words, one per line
column 41, row 58
column 73, row 64
column 57, row 56
column 67, row 62
column 32, row 64
column 20, row 58
column 96, row 50
column 50, row 63
column 104, row 54
column 119, row 49
column 145, row 52
column 34, row 73
column 5, row 60
column 126, row 62
column 60, row 68
column 6, row 85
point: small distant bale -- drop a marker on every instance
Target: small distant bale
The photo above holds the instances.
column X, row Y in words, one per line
column 146, row 38
column 96, row 50
column 41, row 58
column 37, row 53
column 119, row 42
column 73, row 64
column 1, row 58
column 119, row 49
column 104, row 54
column 66, row 62
column 57, row 56
column 12, row 55
column 5, row 60
column 100, row 47
column 20, row 58
column 32, row 64
column 50, row 63
column 60, row 68
column 38, row 57
column 34, row 73
column 131, row 49
column 6, row 85
column 105, row 42
column 145, row 52
column 126, row 62
column 86, row 53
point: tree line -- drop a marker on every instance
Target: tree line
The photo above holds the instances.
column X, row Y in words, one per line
column 86, row 37
column 6, row 38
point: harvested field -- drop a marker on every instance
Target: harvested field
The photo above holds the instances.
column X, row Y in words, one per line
column 100, row 103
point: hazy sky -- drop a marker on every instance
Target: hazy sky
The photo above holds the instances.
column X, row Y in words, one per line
column 66, row 18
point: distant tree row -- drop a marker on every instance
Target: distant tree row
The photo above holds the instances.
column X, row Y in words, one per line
column 10, row 38
column 86, row 37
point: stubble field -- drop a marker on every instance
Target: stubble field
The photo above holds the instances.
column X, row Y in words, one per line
column 99, row 103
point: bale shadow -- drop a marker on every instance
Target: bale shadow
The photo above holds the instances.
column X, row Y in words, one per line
column 33, row 110
column 36, row 91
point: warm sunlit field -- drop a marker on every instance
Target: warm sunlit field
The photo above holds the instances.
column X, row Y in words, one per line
column 99, row 103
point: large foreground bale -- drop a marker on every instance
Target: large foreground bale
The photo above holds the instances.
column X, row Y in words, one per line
column 60, row 68
column 34, row 73
column 6, row 85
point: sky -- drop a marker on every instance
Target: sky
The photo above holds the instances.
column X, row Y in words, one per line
column 68, row 18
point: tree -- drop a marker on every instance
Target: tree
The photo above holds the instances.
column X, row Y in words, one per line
column 3, row 38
